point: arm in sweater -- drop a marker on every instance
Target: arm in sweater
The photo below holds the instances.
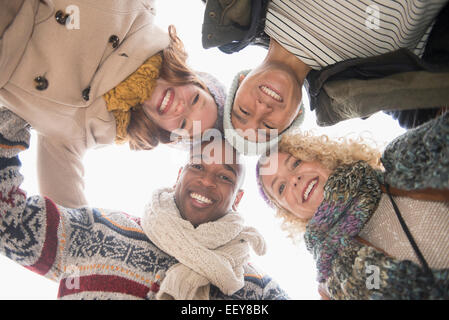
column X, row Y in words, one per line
column 28, row 226
column 418, row 159
column 113, row 256
column 91, row 255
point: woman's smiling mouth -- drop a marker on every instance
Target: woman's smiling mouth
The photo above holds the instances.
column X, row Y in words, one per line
column 166, row 101
column 308, row 190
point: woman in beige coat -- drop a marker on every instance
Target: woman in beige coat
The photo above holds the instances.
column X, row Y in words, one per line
column 84, row 74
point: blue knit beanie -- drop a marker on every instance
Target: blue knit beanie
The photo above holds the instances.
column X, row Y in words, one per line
column 241, row 144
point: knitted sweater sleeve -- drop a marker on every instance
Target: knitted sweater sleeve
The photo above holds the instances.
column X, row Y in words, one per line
column 30, row 228
column 419, row 158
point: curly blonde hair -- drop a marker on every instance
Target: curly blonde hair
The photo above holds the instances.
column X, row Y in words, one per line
column 331, row 153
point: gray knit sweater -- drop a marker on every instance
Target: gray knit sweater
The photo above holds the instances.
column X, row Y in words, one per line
column 92, row 253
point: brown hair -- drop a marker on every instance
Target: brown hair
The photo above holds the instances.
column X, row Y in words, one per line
column 143, row 133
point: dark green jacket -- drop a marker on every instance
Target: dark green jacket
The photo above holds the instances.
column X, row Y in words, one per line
column 231, row 25
column 398, row 83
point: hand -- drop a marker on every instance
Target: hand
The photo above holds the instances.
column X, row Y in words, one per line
column 14, row 133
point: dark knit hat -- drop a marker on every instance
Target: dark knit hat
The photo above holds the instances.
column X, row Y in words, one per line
column 218, row 92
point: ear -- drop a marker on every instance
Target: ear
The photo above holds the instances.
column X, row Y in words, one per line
column 179, row 175
column 237, row 199
column 241, row 78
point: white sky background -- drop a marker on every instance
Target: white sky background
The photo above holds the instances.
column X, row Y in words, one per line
column 117, row 178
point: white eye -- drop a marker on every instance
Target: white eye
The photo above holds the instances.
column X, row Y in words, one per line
column 195, row 100
column 296, row 163
column 196, row 166
column 281, row 188
column 183, row 124
column 226, row 178
column 268, row 127
column 244, row 111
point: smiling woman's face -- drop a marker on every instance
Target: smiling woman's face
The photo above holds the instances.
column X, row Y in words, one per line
column 296, row 186
column 180, row 107
column 267, row 98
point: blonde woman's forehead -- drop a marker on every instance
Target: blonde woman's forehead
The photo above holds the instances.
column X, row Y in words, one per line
column 275, row 161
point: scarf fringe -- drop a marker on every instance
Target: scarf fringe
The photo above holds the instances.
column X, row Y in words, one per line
column 213, row 253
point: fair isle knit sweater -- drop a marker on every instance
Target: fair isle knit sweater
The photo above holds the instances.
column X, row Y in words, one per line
column 92, row 253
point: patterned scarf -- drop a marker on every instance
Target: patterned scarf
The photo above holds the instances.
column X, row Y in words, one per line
column 132, row 92
column 351, row 195
column 212, row 253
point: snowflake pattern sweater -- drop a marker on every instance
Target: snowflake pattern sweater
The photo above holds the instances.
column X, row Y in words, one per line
column 92, row 253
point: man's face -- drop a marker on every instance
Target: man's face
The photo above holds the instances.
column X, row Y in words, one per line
column 267, row 98
column 209, row 184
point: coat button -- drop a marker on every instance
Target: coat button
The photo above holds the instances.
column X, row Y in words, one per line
column 61, row 17
column 212, row 14
column 86, row 93
column 114, row 40
column 41, row 83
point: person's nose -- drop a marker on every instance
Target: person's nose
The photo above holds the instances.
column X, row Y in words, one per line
column 263, row 108
column 294, row 180
column 180, row 108
column 208, row 181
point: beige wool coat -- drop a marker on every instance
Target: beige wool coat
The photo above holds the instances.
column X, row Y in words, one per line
column 57, row 59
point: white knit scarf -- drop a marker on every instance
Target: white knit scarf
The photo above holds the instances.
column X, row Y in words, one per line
column 214, row 252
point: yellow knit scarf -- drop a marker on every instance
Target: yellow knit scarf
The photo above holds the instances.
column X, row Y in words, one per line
column 131, row 93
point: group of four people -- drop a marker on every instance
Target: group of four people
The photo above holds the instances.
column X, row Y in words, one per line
column 128, row 81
